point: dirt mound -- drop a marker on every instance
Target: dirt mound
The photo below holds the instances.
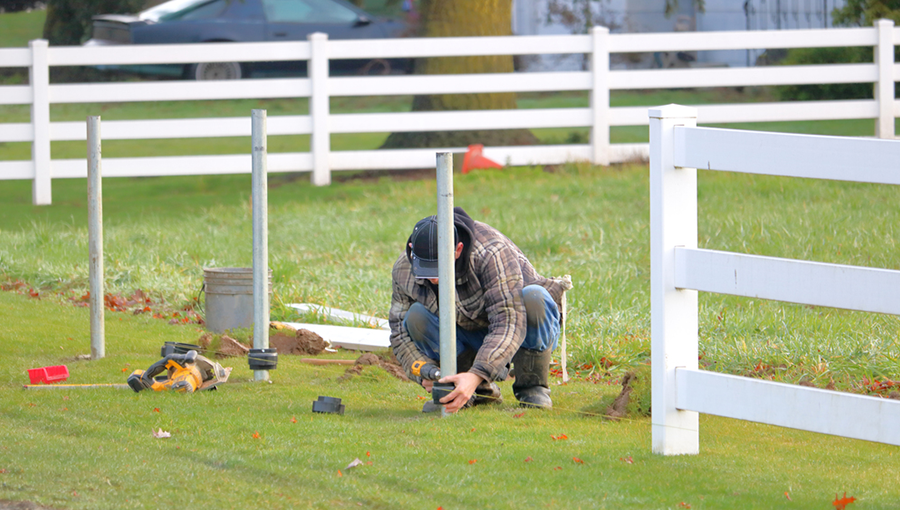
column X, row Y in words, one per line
column 301, row 342
column 230, row 347
column 287, row 341
column 391, row 366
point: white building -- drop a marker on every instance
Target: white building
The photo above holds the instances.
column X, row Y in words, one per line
column 530, row 17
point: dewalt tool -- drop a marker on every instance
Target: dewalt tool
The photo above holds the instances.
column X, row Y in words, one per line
column 187, row 372
column 426, row 370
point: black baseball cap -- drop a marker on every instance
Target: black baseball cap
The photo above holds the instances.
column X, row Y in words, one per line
column 424, row 252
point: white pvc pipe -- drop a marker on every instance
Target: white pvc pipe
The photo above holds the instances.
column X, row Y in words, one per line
column 95, row 237
column 446, row 263
column 260, row 238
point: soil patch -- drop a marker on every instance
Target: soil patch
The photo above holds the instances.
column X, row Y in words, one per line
column 287, row 341
column 391, row 366
column 301, row 342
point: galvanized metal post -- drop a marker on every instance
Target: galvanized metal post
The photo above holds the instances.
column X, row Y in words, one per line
column 446, row 264
column 260, row 238
column 95, row 237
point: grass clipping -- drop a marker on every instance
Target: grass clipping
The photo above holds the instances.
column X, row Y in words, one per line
column 633, row 401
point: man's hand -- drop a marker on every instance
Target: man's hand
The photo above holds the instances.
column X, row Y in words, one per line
column 427, row 384
column 466, row 383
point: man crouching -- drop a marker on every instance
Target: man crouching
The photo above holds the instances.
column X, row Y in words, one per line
column 505, row 313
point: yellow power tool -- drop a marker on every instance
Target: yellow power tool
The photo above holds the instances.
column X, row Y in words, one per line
column 187, row 372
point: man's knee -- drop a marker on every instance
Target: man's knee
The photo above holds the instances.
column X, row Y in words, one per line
column 535, row 298
column 416, row 322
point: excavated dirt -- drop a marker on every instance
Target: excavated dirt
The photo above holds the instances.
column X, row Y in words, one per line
column 287, row 341
column 618, row 409
column 303, row 342
column 368, row 359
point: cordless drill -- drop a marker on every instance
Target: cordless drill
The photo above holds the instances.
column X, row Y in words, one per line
column 426, row 370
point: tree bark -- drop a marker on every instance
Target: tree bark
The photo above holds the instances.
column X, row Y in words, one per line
column 456, row 18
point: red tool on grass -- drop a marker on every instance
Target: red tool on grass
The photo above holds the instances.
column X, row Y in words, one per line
column 48, row 375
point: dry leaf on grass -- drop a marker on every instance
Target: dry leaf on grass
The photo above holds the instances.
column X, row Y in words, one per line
column 160, row 434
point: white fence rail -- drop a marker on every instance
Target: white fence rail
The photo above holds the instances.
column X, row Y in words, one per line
column 678, row 270
column 319, row 87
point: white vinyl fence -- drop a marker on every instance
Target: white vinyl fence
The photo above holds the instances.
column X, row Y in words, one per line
column 678, row 270
column 319, row 87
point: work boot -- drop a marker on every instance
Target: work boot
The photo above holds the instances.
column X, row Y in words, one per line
column 532, row 386
column 487, row 393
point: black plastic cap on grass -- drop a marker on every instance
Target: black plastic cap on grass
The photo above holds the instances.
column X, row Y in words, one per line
column 328, row 405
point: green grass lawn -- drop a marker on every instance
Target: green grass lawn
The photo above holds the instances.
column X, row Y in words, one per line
column 258, row 445
column 335, row 246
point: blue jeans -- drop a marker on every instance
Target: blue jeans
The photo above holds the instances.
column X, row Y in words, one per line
column 542, row 318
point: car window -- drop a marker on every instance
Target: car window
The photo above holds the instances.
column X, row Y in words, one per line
column 185, row 10
column 307, row 11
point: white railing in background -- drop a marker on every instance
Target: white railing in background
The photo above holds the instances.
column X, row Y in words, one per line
column 678, row 270
column 319, row 87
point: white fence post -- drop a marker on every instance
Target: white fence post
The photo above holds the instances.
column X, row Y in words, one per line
column 39, row 78
column 600, row 95
column 884, row 88
column 673, row 312
column 320, row 140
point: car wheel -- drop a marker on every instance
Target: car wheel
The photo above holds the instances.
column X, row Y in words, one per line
column 216, row 71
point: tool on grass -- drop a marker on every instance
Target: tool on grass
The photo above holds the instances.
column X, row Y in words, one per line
column 187, row 372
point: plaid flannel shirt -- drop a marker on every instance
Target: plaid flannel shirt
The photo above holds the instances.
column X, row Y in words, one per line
column 488, row 296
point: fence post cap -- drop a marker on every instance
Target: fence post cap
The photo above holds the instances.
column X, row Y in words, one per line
column 317, row 36
column 673, row 111
column 884, row 22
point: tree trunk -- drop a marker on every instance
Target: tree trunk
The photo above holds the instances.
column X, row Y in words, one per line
column 456, row 18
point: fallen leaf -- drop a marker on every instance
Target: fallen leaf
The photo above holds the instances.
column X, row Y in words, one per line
column 155, row 409
column 473, row 429
column 841, row 504
column 356, row 462
column 528, row 459
column 368, row 454
column 519, row 415
column 684, row 505
column 368, row 462
column 2, row 471
column 577, row 460
column 788, row 496
column 339, row 473
column 256, row 435
column 627, row 460
column 473, row 461
column 161, row 434
column 559, row 437
column 293, row 419
column 558, row 468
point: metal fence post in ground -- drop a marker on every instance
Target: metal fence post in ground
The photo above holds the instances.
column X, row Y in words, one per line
column 260, row 237
column 673, row 311
column 95, row 237
column 446, row 265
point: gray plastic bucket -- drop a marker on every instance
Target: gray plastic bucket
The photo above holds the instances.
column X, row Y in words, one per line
column 229, row 297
